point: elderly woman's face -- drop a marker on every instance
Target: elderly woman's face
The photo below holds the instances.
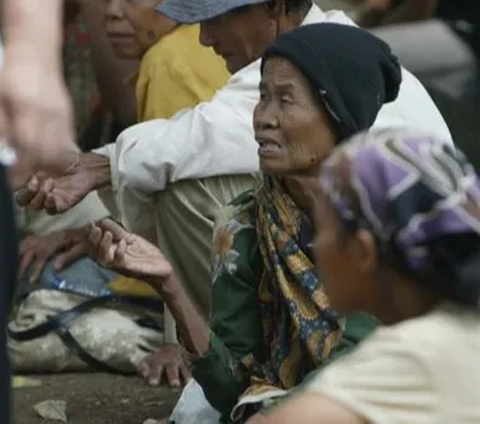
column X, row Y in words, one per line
column 292, row 130
column 125, row 22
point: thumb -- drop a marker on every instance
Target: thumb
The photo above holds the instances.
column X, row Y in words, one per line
column 115, row 228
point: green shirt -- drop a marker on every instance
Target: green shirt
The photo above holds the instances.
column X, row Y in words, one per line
column 235, row 318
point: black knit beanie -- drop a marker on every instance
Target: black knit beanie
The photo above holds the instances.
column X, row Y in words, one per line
column 353, row 72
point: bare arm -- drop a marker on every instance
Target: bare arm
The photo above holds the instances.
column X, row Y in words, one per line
column 110, row 71
column 32, row 29
column 193, row 329
column 38, row 110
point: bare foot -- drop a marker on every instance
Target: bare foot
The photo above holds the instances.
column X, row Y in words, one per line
column 166, row 362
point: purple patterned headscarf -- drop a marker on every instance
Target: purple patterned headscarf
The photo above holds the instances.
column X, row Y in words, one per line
column 414, row 193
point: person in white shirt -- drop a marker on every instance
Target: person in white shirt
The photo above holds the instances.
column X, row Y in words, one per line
column 400, row 239
column 169, row 178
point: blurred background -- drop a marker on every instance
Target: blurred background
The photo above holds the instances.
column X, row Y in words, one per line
column 439, row 41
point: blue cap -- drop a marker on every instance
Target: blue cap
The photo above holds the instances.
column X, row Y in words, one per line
column 193, row 11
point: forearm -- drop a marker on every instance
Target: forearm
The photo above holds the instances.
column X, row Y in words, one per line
column 110, row 71
column 193, row 329
column 98, row 170
column 32, row 29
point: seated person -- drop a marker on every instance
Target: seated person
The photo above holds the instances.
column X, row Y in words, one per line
column 406, row 249
column 271, row 324
column 176, row 72
column 171, row 177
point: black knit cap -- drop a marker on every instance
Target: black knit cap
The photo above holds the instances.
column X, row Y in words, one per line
column 353, row 72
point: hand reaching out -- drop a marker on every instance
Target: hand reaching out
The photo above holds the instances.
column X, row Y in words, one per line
column 114, row 247
column 58, row 194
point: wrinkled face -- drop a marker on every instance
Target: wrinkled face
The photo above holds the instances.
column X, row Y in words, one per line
column 291, row 128
column 240, row 36
column 128, row 24
column 347, row 262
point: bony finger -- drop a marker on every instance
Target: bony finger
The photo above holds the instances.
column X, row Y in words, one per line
column 93, row 241
column 52, row 205
column 38, row 201
column 24, row 196
column 107, row 251
column 144, row 369
column 33, row 184
column 155, row 375
column 25, row 263
column 185, row 374
column 173, row 376
column 121, row 251
column 37, row 269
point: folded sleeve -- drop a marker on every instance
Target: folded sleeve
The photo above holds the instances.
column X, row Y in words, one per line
column 213, row 139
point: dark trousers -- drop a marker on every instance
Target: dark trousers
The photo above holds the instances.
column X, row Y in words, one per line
column 8, row 271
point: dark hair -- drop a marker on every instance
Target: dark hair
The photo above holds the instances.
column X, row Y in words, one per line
column 294, row 6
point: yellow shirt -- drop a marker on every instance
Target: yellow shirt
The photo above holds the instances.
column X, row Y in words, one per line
column 177, row 73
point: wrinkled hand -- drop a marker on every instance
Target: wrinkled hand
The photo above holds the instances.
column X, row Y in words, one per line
column 36, row 251
column 114, row 247
column 58, row 194
column 166, row 363
column 38, row 116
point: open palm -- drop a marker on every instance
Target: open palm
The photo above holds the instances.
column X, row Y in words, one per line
column 116, row 248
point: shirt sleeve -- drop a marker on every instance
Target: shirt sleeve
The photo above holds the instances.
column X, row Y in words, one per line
column 215, row 138
column 384, row 381
column 235, row 326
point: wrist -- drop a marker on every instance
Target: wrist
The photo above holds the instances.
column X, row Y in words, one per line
column 98, row 168
column 167, row 287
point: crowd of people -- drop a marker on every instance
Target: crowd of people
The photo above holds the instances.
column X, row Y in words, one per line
column 250, row 200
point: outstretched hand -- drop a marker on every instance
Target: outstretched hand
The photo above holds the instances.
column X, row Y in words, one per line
column 58, row 193
column 114, row 247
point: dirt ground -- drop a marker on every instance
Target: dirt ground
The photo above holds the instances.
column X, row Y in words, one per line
column 94, row 399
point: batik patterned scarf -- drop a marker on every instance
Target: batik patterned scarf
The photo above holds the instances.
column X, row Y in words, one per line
column 299, row 328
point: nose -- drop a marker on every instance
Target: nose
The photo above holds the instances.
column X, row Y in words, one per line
column 206, row 37
column 265, row 116
column 113, row 9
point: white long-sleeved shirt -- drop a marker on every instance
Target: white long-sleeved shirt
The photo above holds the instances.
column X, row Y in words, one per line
column 216, row 137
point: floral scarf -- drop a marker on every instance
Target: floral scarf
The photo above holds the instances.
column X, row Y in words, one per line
column 299, row 328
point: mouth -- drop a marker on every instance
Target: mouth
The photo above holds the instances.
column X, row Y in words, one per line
column 268, row 147
column 119, row 38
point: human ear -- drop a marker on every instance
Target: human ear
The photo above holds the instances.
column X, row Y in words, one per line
column 363, row 250
column 275, row 9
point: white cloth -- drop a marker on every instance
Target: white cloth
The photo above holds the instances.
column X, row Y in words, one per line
column 193, row 407
column 216, row 137
column 424, row 370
